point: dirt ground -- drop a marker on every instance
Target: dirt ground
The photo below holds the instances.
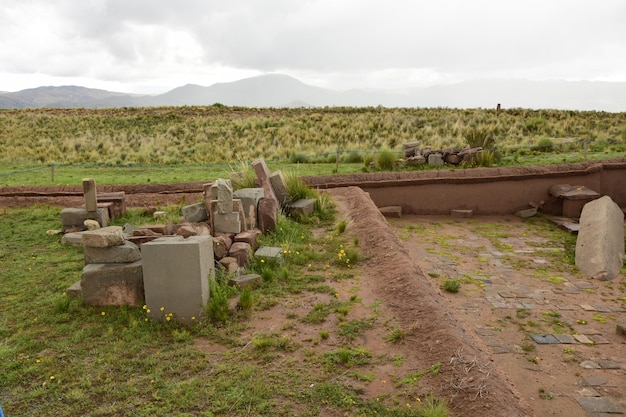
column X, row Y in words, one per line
column 512, row 286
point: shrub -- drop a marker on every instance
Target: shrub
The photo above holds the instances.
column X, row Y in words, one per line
column 385, row 160
column 246, row 299
column 544, row 145
column 451, row 285
column 217, row 306
column 298, row 159
column 353, row 158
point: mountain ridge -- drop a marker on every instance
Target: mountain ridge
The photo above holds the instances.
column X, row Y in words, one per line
column 279, row 90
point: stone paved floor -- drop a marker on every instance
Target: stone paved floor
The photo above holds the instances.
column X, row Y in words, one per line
column 510, row 277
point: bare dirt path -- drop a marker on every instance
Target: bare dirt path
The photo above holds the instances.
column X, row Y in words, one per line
column 515, row 286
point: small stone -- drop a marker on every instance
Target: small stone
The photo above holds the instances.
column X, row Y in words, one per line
column 461, row 213
column 391, row 211
column 229, row 264
column 91, row 224
column 526, row 213
column 589, row 365
column 620, row 328
column 159, row 214
column 75, row 290
column 544, row 339
column 249, row 280
column 566, row 339
column 581, row 338
column 269, row 252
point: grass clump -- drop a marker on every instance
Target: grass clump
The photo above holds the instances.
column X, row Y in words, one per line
column 385, row 160
column 451, row 285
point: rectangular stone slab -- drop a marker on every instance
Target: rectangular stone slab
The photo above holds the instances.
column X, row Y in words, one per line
column 176, row 277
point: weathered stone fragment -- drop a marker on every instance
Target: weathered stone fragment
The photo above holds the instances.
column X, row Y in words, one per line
column 391, row 211
column 267, row 214
column 74, row 218
column 242, row 252
column 224, row 196
column 227, row 222
column 229, row 264
column 74, row 290
column 263, row 174
column 112, row 284
column 461, row 213
column 435, row 159
column 243, row 281
column 301, row 208
column 128, row 252
column 249, row 236
column 274, row 253
column 250, row 201
column 600, row 241
column 104, row 237
column 279, row 185
column 195, row 213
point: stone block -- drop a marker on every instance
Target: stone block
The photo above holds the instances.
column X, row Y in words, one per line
column 227, row 222
column 530, row 212
column 113, row 284
column 249, row 236
column 263, row 174
column 104, row 237
column 250, row 201
column 267, row 214
column 391, row 211
column 279, row 185
column 242, row 252
column 117, row 200
column 74, row 291
column 195, row 213
column 140, row 240
column 301, row 208
column 229, row 264
column 75, row 218
column 176, row 276
column 435, row 159
column 600, row 241
column 74, row 239
column 221, row 245
column 89, row 193
column 238, row 208
column 270, row 253
column 224, row 196
column 125, row 253
column 461, row 213
column 243, row 281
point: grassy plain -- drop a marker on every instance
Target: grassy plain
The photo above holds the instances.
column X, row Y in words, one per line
column 173, row 136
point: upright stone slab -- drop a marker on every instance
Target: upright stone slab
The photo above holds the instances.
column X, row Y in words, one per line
column 267, row 214
column 195, row 213
column 279, row 185
column 112, row 284
column 263, row 175
column 238, row 208
column 176, row 277
column 89, row 192
column 224, row 197
column 600, row 241
column 250, row 201
column 105, row 237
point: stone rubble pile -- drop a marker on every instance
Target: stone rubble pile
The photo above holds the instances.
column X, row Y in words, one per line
column 168, row 267
column 414, row 155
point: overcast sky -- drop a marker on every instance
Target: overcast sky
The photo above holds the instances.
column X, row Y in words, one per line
column 152, row 46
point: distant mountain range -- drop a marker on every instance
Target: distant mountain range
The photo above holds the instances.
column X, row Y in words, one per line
column 276, row 90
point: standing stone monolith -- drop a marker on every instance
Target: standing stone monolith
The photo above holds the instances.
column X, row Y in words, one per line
column 600, row 241
column 263, row 175
column 89, row 192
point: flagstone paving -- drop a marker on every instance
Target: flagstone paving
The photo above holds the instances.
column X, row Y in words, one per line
column 512, row 275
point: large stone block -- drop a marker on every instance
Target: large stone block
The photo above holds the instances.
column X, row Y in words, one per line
column 117, row 200
column 74, row 218
column 128, row 252
column 112, row 284
column 104, row 238
column 435, row 159
column 250, row 201
column 600, row 242
column 176, row 276
column 279, row 185
column 227, row 222
column 267, row 214
column 195, row 213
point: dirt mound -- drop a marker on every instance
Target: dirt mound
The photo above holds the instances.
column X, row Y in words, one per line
column 467, row 374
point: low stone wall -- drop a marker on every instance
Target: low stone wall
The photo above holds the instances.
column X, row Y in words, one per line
column 485, row 191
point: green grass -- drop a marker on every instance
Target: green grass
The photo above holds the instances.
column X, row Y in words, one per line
column 61, row 357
